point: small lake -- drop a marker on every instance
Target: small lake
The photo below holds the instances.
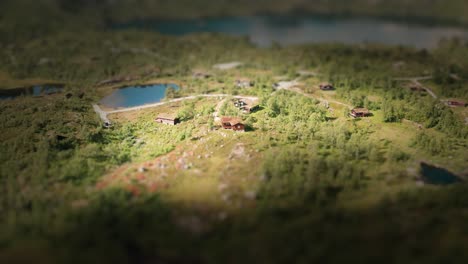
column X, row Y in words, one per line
column 137, row 95
column 35, row 91
column 437, row 176
column 265, row 30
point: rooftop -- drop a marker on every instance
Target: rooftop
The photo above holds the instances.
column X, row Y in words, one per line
column 361, row 110
column 231, row 120
column 166, row 116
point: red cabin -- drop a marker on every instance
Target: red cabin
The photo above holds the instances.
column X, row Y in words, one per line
column 326, row 87
column 455, row 102
column 360, row 112
column 233, row 123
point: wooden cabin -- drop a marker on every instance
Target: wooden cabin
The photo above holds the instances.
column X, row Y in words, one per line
column 246, row 105
column 167, row 119
column 326, row 87
column 455, row 102
column 360, row 112
column 414, row 87
column 233, row 123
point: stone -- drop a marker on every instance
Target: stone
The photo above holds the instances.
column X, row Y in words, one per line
column 251, row 195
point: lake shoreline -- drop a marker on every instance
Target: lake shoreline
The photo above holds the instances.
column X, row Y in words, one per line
column 300, row 14
column 267, row 30
column 136, row 95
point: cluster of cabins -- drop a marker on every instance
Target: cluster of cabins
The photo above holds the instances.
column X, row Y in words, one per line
column 356, row 112
column 232, row 123
column 249, row 106
column 416, row 87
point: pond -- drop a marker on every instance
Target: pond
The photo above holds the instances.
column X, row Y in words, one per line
column 437, row 176
column 265, row 30
column 35, row 91
column 132, row 96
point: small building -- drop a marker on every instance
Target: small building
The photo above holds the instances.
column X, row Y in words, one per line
column 326, row 87
column 246, row 105
column 360, row 112
column 414, row 87
column 167, row 119
column 455, row 102
column 244, row 83
column 233, row 123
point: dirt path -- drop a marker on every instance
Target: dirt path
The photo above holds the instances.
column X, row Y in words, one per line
column 178, row 100
column 429, row 91
column 103, row 114
column 292, row 86
column 322, row 100
column 416, row 80
column 217, row 108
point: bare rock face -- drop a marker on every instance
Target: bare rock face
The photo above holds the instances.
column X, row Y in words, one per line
column 237, row 152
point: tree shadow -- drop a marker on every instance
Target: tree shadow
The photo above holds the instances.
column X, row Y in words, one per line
column 119, row 227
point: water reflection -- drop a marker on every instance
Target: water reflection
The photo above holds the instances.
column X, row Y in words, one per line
column 137, row 95
column 35, row 91
column 437, row 176
column 265, row 30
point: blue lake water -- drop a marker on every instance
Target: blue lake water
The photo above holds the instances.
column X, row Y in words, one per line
column 137, row 95
column 265, row 30
column 35, row 91
column 437, row 176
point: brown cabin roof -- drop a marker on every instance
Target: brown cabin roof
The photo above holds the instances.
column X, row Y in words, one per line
column 232, row 121
column 361, row 110
column 247, row 102
column 326, row 86
column 457, row 101
column 167, row 116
